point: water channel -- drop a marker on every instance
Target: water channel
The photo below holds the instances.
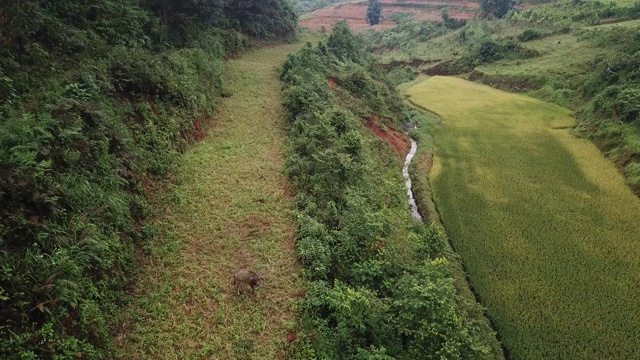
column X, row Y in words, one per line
column 407, row 181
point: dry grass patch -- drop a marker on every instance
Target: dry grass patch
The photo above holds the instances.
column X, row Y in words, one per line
column 546, row 226
column 229, row 209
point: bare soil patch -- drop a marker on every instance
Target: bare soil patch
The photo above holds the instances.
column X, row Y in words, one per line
column 395, row 138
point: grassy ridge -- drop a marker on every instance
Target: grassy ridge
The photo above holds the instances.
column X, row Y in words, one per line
column 230, row 209
column 546, row 226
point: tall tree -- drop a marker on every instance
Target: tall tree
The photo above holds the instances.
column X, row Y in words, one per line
column 495, row 8
column 374, row 12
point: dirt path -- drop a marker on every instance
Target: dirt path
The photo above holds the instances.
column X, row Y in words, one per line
column 230, row 209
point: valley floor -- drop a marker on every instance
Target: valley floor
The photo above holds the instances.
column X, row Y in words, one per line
column 545, row 225
column 230, row 208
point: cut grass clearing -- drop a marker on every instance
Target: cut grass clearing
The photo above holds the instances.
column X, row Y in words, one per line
column 545, row 225
column 229, row 209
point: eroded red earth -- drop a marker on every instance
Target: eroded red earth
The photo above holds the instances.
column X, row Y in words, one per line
column 395, row 138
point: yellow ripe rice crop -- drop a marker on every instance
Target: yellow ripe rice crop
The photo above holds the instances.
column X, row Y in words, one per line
column 547, row 229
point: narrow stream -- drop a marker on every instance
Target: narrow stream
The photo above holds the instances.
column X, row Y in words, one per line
column 407, row 181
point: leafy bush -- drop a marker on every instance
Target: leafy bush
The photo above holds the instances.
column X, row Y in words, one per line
column 617, row 101
column 405, row 35
column 401, row 17
column 489, row 50
column 376, row 290
column 268, row 19
column 452, row 23
column 530, row 34
column 401, row 75
column 495, row 8
column 633, row 174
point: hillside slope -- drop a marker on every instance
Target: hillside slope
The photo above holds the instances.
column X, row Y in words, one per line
column 582, row 55
column 355, row 13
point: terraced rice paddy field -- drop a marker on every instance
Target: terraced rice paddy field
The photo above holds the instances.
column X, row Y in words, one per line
column 354, row 13
column 547, row 229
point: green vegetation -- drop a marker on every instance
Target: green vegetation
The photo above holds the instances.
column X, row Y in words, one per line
column 545, row 225
column 495, row 8
column 98, row 100
column 379, row 285
column 404, row 36
column 578, row 54
column 307, row 6
column 374, row 12
column 230, row 207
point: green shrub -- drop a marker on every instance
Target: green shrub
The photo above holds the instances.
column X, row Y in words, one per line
column 314, row 244
column 399, row 75
column 633, row 174
column 617, row 101
column 427, row 316
column 489, row 50
column 343, row 44
column 405, row 35
column 530, row 34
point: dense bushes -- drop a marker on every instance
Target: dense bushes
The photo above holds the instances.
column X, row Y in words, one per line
column 564, row 13
column 306, row 6
column 263, row 18
column 530, row 34
column 611, row 115
column 378, row 287
column 96, row 99
column 406, row 35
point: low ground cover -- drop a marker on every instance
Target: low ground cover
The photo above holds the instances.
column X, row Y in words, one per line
column 545, row 224
column 230, row 208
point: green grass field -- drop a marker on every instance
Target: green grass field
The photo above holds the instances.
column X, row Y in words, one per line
column 545, row 225
column 230, row 208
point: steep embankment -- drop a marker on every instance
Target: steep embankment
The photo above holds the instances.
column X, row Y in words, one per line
column 230, row 209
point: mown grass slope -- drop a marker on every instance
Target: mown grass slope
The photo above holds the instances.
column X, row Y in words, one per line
column 230, row 209
column 546, row 226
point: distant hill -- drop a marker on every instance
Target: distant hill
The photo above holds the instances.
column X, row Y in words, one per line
column 354, row 13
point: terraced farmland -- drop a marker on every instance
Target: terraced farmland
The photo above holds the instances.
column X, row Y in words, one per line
column 354, row 13
column 546, row 226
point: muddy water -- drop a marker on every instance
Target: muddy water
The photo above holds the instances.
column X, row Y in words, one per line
column 407, row 181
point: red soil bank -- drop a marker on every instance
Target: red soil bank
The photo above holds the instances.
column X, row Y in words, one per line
column 396, row 139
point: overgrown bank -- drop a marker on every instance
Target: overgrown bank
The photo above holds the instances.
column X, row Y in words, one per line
column 378, row 284
column 97, row 100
